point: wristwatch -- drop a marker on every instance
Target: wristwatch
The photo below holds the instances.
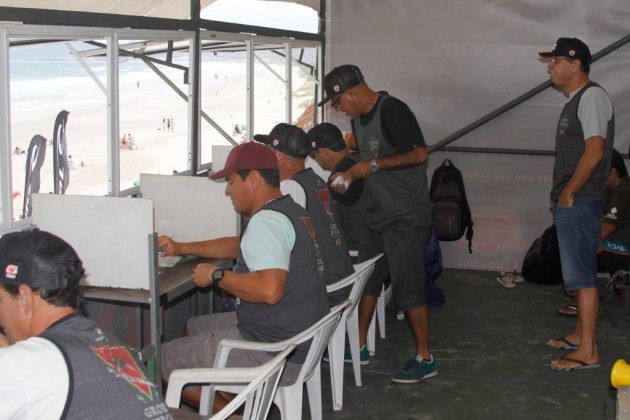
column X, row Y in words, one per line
column 217, row 276
column 374, row 166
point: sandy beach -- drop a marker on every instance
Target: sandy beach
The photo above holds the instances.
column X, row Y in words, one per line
column 143, row 105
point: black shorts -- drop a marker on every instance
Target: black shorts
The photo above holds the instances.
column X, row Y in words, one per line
column 403, row 245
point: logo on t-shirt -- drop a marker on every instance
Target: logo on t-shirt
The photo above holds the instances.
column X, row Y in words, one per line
column 612, row 214
column 121, row 364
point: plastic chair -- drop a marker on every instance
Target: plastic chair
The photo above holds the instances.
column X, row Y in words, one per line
column 379, row 316
column 288, row 398
column 349, row 322
column 257, row 396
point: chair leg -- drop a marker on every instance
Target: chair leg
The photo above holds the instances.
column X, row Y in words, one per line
column 314, row 389
column 352, row 327
column 335, row 359
column 371, row 336
column 289, row 401
column 380, row 312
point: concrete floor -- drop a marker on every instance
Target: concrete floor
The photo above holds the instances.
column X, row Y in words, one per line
column 493, row 364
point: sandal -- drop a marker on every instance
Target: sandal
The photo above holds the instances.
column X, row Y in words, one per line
column 569, row 309
column 516, row 277
column 565, row 344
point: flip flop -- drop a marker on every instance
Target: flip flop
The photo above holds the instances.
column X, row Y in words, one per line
column 506, row 281
column 581, row 365
column 568, row 310
column 567, row 345
column 516, row 277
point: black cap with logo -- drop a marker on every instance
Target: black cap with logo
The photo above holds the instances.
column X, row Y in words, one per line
column 288, row 139
column 571, row 48
column 340, row 79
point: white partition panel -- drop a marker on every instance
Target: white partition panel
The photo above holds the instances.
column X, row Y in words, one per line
column 189, row 208
column 110, row 234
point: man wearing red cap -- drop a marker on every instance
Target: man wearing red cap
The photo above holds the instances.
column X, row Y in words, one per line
column 275, row 277
column 584, row 141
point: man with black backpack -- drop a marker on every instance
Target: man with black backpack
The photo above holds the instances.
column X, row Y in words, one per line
column 398, row 210
column 584, row 140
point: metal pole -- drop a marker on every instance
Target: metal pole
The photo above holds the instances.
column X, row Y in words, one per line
column 113, row 116
column 492, row 115
column 5, row 134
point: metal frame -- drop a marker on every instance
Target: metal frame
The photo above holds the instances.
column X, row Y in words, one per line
column 68, row 26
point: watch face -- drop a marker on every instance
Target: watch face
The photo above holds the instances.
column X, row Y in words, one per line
column 217, row 274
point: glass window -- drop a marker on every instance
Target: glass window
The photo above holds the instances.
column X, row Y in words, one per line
column 270, row 91
column 304, row 77
column 153, row 129
column 223, row 95
column 46, row 79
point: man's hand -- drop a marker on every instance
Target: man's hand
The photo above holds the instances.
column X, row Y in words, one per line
column 168, row 247
column 202, row 274
column 341, row 181
column 565, row 199
column 4, row 342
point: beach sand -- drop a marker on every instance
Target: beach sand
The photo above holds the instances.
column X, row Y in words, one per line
column 142, row 108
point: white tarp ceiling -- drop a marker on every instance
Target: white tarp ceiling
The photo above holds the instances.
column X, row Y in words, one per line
column 453, row 62
column 174, row 9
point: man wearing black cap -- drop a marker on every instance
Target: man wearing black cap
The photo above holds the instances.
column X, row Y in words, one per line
column 275, row 277
column 59, row 364
column 584, row 141
column 331, row 153
column 310, row 191
column 398, row 210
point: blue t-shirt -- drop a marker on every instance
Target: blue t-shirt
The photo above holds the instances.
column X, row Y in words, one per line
column 268, row 241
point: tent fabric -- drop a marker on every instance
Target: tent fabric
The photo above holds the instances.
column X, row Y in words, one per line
column 453, row 62
column 174, row 9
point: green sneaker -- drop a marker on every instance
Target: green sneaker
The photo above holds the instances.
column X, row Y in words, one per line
column 415, row 370
column 363, row 353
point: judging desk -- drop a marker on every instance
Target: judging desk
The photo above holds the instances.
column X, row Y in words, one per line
column 172, row 282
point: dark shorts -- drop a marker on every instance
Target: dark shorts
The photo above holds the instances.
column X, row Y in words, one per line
column 403, row 245
column 578, row 230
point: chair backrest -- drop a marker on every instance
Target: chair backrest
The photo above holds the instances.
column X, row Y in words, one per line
column 362, row 271
column 260, row 392
column 320, row 334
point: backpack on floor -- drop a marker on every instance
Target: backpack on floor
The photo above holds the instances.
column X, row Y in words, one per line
column 452, row 213
column 541, row 264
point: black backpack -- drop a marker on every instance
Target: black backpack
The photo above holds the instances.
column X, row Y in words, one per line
column 541, row 264
column 452, row 213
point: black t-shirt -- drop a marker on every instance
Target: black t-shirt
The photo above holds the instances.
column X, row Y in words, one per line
column 400, row 126
column 618, row 212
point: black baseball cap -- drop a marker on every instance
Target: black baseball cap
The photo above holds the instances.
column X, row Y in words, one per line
column 288, row 139
column 340, row 79
column 326, row 136
column 571, row 48
column 38, row 259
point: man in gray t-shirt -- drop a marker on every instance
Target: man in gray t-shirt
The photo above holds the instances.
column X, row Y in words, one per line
column 584, row 139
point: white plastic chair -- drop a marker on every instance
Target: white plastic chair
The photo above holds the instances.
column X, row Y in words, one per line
column 379, row 316
column 349, row 322
column 257, row 396
column 288, row 398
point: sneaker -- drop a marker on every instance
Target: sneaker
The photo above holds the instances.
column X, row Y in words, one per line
column 415, row 370
column 363, row 353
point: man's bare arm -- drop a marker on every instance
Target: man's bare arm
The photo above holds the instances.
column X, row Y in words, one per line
column 215, row 248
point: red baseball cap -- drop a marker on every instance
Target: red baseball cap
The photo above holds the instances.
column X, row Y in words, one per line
column 248, row 155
